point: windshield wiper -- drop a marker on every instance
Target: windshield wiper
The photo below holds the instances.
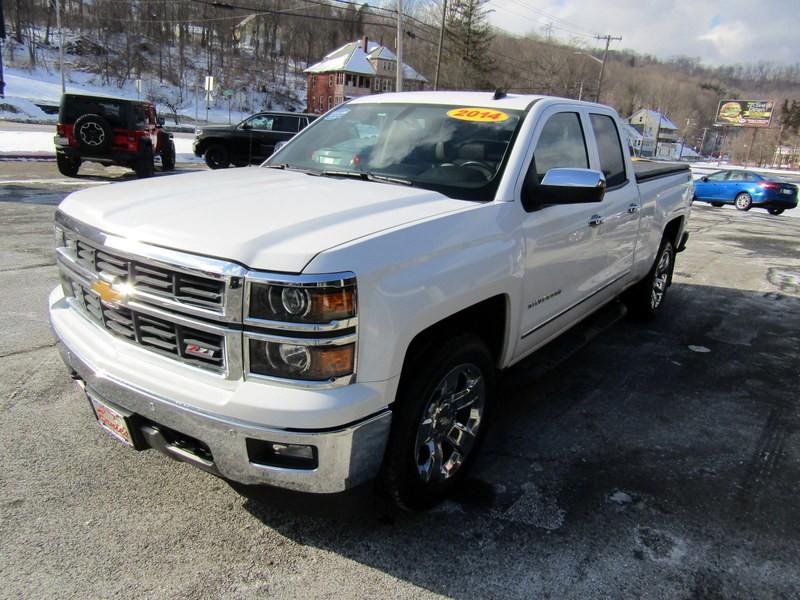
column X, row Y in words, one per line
column 367, row 176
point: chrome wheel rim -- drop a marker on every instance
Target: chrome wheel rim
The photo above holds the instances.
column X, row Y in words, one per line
column 660, row 280
column 449, row 424
column 742, row 201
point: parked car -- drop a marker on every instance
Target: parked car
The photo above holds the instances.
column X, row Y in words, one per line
column 111, row 131
column 250, row 141
column 746, row 190
column 333, row 320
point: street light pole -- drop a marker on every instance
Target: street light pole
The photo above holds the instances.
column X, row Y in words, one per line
column 60, row 45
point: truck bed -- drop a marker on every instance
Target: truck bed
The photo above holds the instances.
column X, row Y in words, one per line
column 652, row 169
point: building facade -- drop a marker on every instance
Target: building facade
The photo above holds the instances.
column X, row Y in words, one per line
column 356, row 69
column 659, row 134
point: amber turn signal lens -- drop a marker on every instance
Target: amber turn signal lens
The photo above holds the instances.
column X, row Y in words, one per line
column 328, row 363
column 331, row 305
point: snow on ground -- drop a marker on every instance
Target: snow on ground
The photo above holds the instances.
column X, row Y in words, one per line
column 41, row 142
column 43, row 85
column 20, row 109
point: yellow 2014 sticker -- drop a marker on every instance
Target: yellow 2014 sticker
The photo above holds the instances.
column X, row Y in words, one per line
column 481, row 115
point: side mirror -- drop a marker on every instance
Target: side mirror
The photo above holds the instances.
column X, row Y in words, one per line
column 704, row 179
column 246, row 126
column 565, row 186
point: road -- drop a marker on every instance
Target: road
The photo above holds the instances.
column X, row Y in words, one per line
column 627, row 461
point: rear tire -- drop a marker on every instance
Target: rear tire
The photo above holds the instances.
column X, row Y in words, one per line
column 743, row 201
column 168, row 156
column 144, row 166
column 216, row 156
column 646, row 298
column 775, row 211
column 68, row 166
column 440, row 418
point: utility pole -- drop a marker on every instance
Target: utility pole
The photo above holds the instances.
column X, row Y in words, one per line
column 608, row 39
column 750, row 147
column 580, row 90
column 2, row 37
column 60, row 46
column 703, row 140
column 399, row 83
column 441, row 43
column 548, row 32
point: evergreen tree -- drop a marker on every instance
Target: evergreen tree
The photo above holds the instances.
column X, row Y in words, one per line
column 471, row 37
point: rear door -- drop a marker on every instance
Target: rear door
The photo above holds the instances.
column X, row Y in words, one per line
column 620, row 209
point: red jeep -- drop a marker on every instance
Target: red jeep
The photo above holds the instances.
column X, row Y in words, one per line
column 111, row 131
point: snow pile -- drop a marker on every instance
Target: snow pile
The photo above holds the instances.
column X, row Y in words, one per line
column 13, row 108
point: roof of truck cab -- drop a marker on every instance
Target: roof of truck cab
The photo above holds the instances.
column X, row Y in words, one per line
column 481, row 99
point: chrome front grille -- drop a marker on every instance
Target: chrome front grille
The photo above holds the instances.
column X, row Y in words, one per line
column 189, row 344
column 170, row 284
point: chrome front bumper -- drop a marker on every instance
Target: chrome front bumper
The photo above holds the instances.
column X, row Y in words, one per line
column 346, row 456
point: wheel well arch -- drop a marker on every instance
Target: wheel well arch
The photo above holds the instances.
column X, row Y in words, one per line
column 487, row 319
column 206, row 142
column 673, row 230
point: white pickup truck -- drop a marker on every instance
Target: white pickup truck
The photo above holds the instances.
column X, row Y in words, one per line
column 341, row 312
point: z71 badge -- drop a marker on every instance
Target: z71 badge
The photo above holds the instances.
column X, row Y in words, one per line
column 201, row 351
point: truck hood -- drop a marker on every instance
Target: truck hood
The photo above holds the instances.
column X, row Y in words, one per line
column 262, row 218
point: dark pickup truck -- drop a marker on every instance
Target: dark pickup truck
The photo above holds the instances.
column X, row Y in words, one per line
column 251, row 141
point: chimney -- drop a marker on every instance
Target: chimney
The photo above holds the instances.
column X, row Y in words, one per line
column 365, row 43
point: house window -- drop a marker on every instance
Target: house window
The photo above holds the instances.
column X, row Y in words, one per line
column 330, row 80
column 322, row 102
column 377, row 85
column 330, row 101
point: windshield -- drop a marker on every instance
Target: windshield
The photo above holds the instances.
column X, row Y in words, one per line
column 458, row 151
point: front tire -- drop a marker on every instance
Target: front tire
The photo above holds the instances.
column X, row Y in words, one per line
column 743, row 201
column 646, row 298
column 440, row 419
column 216, row 156
column 775, row 211
column 68, row 166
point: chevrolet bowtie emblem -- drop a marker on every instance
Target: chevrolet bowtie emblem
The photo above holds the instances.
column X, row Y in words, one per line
column 106, row 292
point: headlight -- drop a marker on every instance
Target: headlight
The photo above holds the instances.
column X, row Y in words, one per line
column 301, row 304
column 308, row 328
column 289, row 360
column 198, row 132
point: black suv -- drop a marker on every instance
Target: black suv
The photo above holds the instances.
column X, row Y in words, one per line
column 251, row 141
column 111, row 131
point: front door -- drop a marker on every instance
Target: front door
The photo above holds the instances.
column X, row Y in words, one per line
column 565, row 258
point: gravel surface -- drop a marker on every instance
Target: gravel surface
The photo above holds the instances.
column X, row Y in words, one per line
column 624, row 463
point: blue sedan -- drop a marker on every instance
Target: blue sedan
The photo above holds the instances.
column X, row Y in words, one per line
column 745, row 189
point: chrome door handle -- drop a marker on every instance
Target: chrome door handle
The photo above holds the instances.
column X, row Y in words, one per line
column 596, row 220
column 633, row 208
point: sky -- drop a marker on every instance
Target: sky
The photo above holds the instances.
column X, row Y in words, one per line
column 717, row 32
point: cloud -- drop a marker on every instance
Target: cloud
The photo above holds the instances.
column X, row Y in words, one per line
column 743, row 33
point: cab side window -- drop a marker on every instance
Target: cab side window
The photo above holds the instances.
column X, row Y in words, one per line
column 609, row 147
column 561, row 144
column 262, row 122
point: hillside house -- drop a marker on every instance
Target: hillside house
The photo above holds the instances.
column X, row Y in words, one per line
column 656, row 130
column 356, row 69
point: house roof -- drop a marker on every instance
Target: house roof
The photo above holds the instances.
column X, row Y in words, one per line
column 351, row 58
column 653, row 115
column 630, row 131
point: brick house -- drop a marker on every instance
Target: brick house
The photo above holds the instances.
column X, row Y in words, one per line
column 356, row 69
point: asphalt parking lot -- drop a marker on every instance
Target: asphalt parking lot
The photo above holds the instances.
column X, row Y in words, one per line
column 627, row 461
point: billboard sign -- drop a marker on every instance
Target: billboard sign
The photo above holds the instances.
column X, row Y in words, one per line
column 744, row 113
